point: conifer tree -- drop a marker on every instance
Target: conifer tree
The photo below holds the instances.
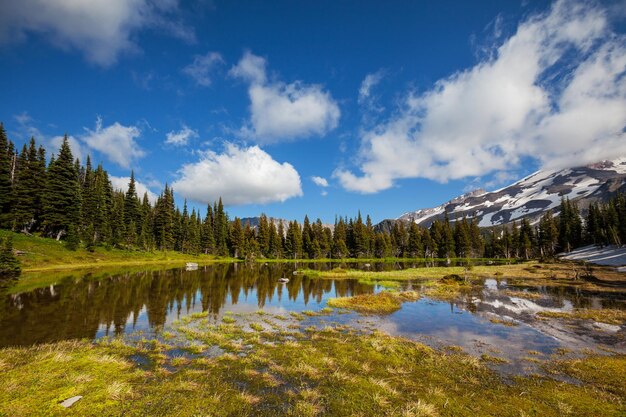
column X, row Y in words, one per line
column 22, row 210
column 236, row 239
column 251, row 247
column 221, row 229
column 146, row 238
column 132, row 207
column 478, row 243
column 307, row 239
column 415, row 248
column 340, row 249
column 427, row 244
column 514, row 244
column 282, row 236
column 164, row 220
column 437, row 239
column 548, row 235
column 275, row 246
column 360, row 239
column 117, row 221
column 103, row 196
column 62, row 198
column 6, row 156
column 193, row 233
column 526, row 239
column 448, row 238
column 399, row 240
column 89, row 203
column 207, row 240
column 9, row 265
column 263, row 235
column 39, row 191
column 382, row 248
column 462, row 238
column 293, row 241
column 570, row 226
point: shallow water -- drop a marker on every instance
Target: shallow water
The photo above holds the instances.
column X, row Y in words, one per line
column 97, row 306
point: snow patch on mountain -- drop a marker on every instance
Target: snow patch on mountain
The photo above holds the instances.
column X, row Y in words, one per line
column 531, row 196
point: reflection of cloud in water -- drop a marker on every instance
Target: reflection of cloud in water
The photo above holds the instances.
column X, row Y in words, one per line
column 521, row 305
column 147, row 301
column 453, row 326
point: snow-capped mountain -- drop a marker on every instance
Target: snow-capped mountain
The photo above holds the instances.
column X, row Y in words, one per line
column 531, row 196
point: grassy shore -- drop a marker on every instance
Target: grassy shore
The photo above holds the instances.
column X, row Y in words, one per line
column 39, row 254
column 271, row 365
column 556, row 273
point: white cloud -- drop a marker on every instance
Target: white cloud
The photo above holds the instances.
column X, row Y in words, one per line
column 370, row 81
column 117, row 142
column 201, row 67
column 181, row 137
column 239, row 176
column 100, row 29
column 322, row 182
column 27, row 126
column 121, row 183
column 282, row 111
column 510, row 106
column 250, row 68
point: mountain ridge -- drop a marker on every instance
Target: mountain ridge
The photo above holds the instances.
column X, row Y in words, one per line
column 530, row 197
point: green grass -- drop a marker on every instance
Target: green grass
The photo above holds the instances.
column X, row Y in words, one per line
column 330, row 371
column 527, row 273
column 385, row 302
column 44, row 254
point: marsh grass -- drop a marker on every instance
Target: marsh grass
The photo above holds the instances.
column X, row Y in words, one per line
column 493, row 359
column 508, row 323
column 523, row 294
column 385, row 302
column 605, row 315
column 544, row 273
column 330, row 371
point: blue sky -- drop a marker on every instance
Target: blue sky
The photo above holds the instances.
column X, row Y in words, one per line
column 319, row 108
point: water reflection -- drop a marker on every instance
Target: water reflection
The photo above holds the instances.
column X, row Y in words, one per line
column 97, row 305
column 87, row 307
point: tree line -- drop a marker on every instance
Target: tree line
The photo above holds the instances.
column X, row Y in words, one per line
column 65, row 200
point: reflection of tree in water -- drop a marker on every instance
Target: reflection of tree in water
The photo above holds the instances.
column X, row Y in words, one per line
column 78, row 306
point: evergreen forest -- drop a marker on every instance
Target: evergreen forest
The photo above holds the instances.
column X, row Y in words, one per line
column 63, row 199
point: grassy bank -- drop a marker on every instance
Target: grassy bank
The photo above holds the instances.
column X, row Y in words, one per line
column 561, row 273
column 266, row 365
column 39, row 254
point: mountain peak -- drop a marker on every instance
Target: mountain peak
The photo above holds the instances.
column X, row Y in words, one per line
column 531, row 196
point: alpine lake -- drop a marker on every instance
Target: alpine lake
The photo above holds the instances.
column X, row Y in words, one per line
column 235, row 339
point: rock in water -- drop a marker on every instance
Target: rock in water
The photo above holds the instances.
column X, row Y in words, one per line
column 71, row 401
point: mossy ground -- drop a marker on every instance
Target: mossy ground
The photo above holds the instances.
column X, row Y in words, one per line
column 261, row 367
column 385, row 302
